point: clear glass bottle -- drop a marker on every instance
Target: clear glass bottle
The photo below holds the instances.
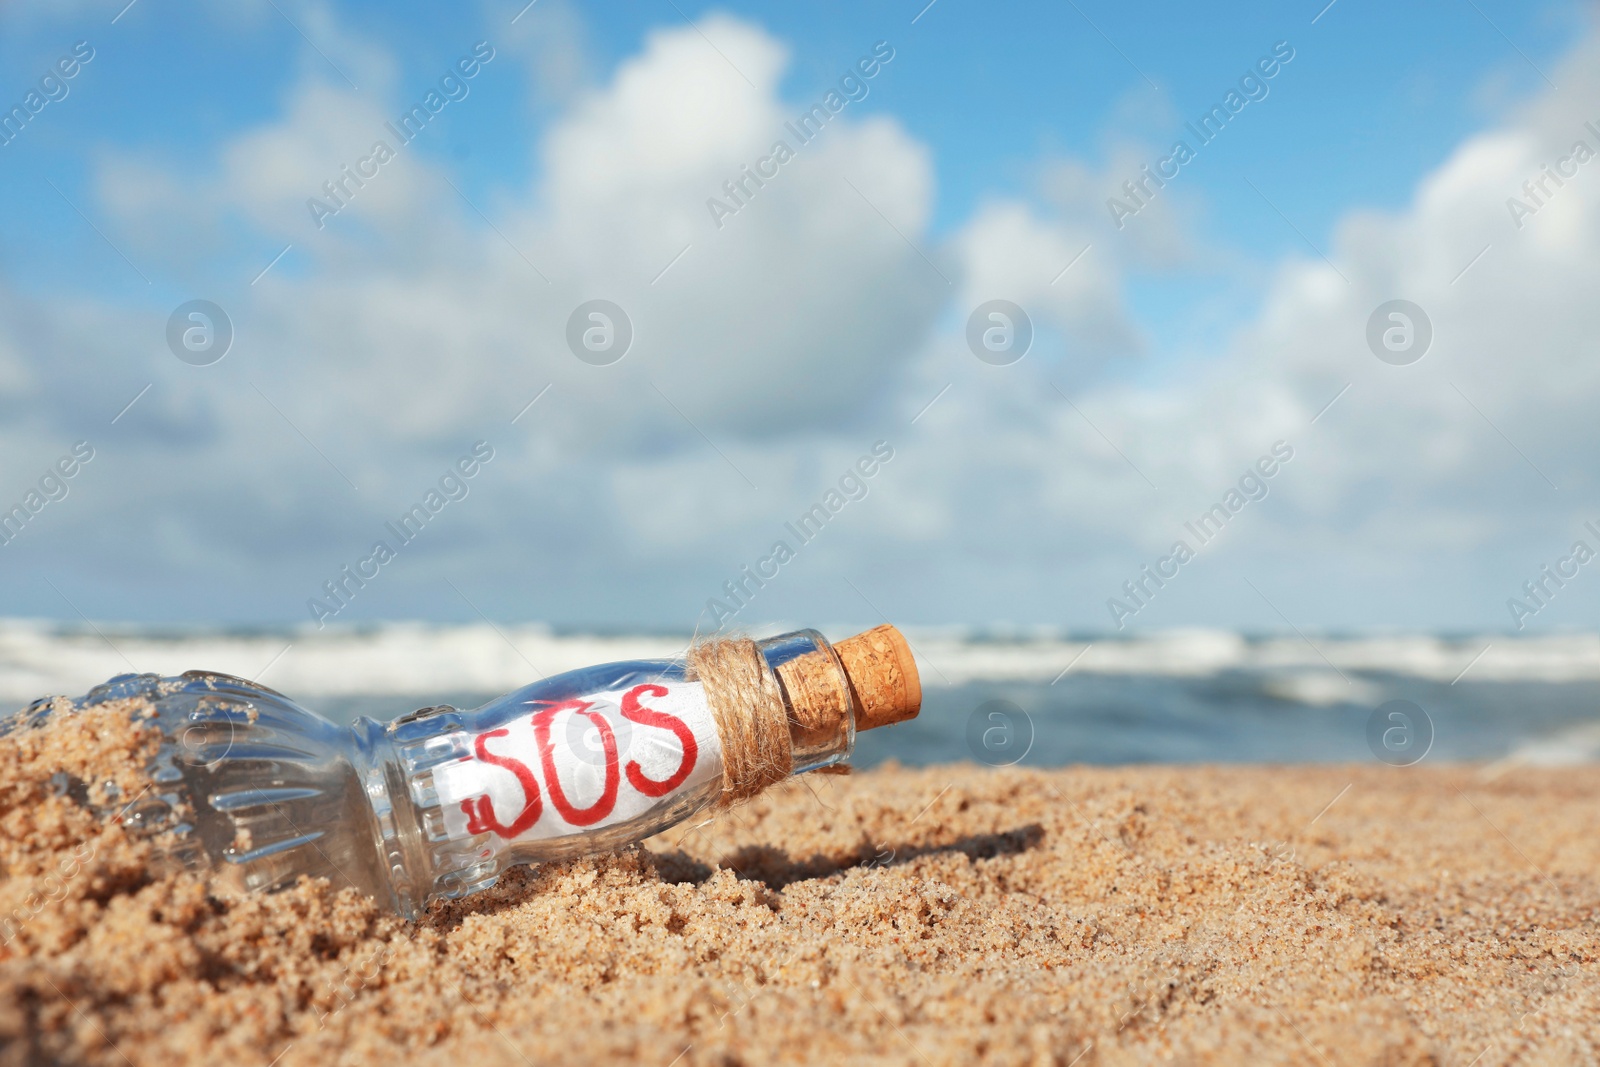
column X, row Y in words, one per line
column 437, row 803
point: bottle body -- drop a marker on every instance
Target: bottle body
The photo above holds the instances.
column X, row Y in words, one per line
column 578, row 763
column 437, row 803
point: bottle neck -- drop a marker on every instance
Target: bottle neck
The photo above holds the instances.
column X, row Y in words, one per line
column 817, row 697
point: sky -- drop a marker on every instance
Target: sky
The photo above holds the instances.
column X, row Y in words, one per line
column 673, row 316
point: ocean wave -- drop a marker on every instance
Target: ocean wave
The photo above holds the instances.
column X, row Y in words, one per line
column 403, row 659
column 398, row 659
column 956, row 658
column 1575, row 744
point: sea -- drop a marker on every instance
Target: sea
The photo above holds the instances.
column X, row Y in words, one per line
column 1031, row 697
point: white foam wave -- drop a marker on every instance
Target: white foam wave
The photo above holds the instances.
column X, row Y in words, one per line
column 407, row 659
column 954, row 659
column 1570, row 747
column 399, row 659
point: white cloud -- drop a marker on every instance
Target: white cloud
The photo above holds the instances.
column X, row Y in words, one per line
column 1404, row 503
column 788, row 339
column 794, row 315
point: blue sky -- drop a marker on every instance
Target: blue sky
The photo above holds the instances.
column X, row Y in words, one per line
column 1374, row 99
column 775, row 350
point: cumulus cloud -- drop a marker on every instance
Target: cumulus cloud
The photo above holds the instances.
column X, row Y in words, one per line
column 774, row 345
column 1426, row 489
column 422, row 315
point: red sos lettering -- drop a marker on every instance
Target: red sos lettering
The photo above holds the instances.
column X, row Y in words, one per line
column 547, row 759
column 666, row 721
column 482, row 820
column 480, row 810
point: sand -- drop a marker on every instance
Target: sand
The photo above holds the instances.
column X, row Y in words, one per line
column 956, row 914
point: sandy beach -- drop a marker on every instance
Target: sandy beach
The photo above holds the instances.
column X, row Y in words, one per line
column 952, row 914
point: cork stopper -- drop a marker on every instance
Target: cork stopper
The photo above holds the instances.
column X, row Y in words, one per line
column 883, row 677
column 818, row 698
column 879, row 679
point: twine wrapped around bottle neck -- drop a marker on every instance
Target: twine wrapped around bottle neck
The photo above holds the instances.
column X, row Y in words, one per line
column 749, row 711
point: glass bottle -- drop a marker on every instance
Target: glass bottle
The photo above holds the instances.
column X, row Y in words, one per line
column 437, row 803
